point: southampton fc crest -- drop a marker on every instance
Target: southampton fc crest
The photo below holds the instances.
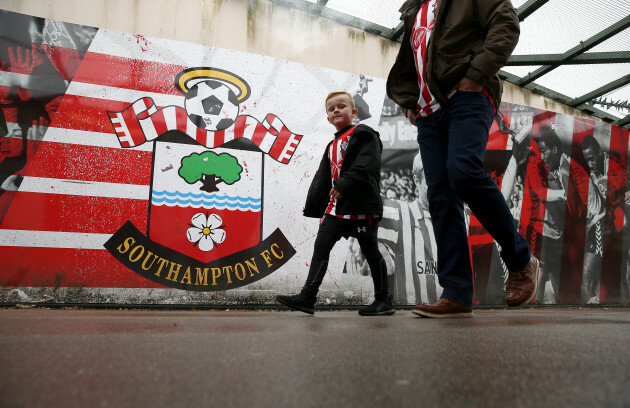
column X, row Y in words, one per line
column 206, row 203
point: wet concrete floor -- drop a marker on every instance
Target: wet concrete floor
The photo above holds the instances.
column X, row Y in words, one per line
column 556, row 357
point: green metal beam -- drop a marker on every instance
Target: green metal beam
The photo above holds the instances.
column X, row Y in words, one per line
column 614, row 57
column 301, row 5
column 623, row 81
column 320, row 5
column 321, row 10
column 398, row 32
column 580, row 49
column 356, row 22
column 528, row 8
column 623, row 122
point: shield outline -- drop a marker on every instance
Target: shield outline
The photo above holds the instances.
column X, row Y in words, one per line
column 178, row 137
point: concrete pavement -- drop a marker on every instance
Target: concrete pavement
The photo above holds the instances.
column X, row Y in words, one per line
column 552, row 357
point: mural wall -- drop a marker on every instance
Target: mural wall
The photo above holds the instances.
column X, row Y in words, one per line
column 139, row 170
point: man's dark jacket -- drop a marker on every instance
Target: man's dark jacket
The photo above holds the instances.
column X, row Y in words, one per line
column 359, row 179
column 470, row 38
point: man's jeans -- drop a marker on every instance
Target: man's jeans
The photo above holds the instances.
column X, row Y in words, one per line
column 453, row 146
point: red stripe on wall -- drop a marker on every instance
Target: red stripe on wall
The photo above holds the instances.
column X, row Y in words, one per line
column 60, row 267
column 119, row 72
column 89, row 114
column 159, row 121
column 65, row 60
column 181, row 118
column 613, row 257
column 496, row 139
column 259, row 134
column 280, row 143
column 132, row 125
column 67, row 213
column 91, row 163
column 534, row 191
column 219, row 138
column 574, row 234
column 201, row 136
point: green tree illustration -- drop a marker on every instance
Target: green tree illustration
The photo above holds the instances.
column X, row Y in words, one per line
column 211, row 169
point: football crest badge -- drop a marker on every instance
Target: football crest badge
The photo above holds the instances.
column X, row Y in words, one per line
column 206, row 199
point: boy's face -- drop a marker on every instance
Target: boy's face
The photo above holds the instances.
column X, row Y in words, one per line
column 339, row 111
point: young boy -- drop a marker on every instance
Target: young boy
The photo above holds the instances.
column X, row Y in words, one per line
column 345, row 194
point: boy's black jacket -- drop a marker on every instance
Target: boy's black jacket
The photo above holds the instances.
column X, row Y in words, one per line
column 359, row 180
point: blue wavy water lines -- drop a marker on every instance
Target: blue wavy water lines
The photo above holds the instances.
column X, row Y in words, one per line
column 205, row 200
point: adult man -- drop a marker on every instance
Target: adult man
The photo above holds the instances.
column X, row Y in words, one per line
column 567, row 187
column 445, row 79
column 605, row 212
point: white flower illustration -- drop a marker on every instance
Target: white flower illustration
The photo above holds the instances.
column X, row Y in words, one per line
column 206, row 231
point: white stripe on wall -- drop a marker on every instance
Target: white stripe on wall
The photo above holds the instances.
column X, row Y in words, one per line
column 122, row 94
column 84, row 188
column 88, row 138
column 52, row 239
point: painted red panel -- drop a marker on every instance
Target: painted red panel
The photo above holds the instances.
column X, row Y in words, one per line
column 120, row 72
column 91, row 163
column 89, row 114
column 535, row 190
column 169, row 225
column 498, row 140
column 614, row 251
column 575, row 222
column 99, row 215
column 60, row 267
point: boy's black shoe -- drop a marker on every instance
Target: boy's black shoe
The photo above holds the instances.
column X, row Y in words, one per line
column 378, row 308
column 298, row 302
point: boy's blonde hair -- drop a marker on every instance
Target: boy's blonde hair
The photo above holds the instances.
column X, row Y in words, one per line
column 335, row 93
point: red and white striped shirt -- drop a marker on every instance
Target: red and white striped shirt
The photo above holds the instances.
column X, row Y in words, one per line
column 336, row 154
column 420, row 35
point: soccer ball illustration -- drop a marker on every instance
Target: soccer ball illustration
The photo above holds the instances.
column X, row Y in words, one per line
column 211, row 105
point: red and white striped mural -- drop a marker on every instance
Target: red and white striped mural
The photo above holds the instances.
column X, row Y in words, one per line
column 137, row 170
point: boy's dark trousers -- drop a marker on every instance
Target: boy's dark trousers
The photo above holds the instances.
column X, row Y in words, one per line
column 330, row 231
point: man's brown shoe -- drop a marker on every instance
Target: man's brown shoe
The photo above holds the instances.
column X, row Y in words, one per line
column 521, row 286
column 443, row 308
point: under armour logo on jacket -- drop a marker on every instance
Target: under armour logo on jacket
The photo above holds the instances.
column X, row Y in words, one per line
column 361, row 229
